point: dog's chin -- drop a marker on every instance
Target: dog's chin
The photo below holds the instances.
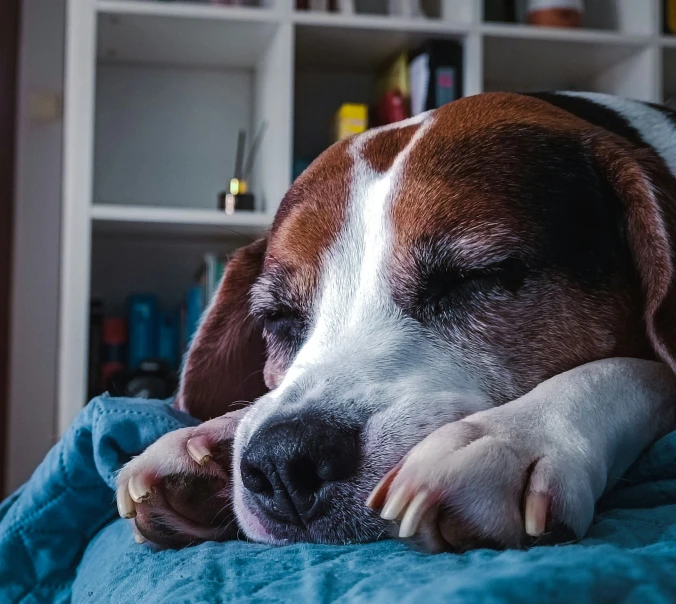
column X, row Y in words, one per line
column 348, row 521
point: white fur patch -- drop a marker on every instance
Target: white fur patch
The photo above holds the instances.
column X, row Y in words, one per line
column 362, row 357
column 577, row 432
column 353, row 283
column 655, row 128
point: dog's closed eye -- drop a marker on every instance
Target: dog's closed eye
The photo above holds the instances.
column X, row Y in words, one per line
column 442, row 285
column 283, row 323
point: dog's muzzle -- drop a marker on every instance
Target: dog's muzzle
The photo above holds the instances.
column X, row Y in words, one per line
column 290, row 465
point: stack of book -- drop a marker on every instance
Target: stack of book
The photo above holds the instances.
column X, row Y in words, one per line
column 414, row 82
column 149, row 332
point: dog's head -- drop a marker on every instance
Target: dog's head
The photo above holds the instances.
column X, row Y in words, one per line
column 416, row 274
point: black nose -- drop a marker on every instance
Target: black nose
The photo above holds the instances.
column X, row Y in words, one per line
column 287, row 466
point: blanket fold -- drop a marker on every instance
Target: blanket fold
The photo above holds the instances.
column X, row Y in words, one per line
column 47, row 524
column 60, row 541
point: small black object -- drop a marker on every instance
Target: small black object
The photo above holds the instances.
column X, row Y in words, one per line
column 153, row 379
column 230, row 203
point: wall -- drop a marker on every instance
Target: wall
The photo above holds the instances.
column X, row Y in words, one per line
column 33, row 369
column 167, row 136
column 9, row 19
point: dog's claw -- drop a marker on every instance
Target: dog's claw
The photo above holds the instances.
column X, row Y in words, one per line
column 198, row 450
column 420, row 505
column 378, row 495
column 137, row 536
column 140, row 488
column 537, row 507
column 396, row 502
column 125, row 504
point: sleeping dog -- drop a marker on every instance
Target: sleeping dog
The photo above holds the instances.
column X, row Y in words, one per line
column 460, row 331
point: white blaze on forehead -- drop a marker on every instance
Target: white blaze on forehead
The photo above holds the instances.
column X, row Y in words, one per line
column 353, row 289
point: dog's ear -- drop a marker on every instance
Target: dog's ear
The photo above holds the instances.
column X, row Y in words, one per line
column 224, row 365
column 647, row 190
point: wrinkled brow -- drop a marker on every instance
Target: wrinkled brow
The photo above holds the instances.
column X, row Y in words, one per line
column 281, row 288
column 473, row 248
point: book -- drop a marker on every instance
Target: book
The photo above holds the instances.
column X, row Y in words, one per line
column 194, row 306
column 168, row 348
column 142, row 321
column 435, row 75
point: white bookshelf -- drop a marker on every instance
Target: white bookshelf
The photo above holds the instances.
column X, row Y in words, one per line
column 155, row 93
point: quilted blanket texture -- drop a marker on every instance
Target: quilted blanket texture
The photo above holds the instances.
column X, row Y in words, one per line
column 60, row 541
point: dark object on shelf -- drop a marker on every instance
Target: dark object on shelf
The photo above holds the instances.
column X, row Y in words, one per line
column 194, row 307
column 503, row 11
column 153, row 379
column 439, row 64
column 300, row 164
column 143, row 324
column 95, row 347
column 113, row 350
column 238, row 198
column 669, row 16
column 234, row 201
column 167, row 337
column 317, row 5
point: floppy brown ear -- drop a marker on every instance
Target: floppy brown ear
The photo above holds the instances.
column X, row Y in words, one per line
column 224, row 365
column 648, row 191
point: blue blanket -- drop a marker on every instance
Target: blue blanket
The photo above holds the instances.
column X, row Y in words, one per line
column 59, row 540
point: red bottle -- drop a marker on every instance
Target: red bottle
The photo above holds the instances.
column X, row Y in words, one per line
column 113, row 354
column 391, row 108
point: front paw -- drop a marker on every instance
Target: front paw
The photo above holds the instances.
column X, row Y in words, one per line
column 492, row 480
column 179, row 490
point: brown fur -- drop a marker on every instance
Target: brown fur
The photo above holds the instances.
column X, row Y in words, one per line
column 453, row 184
column 312, row 212
column 648, row 191
column 381, row 150
column 223, row 369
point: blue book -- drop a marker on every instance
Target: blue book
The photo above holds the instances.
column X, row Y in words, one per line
column 167, row 338
column 194, row 306
column 142, row 322
column 445, row 89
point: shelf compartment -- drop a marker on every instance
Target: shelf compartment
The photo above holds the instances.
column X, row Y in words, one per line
column 362, row 42
column 617, row 16
column 183, row 34
column 524, row 58
column 135, row 263
column 175, row 83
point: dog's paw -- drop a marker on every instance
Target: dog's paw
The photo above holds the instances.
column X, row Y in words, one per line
column 500, row 478
column 179, row 490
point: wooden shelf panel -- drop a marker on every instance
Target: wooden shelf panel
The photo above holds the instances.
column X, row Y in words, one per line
column 559, row 60
column 581, row 35
column 177, row 222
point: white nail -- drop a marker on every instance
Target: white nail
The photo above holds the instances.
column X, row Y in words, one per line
column 137, row 536
column 414, row 514
column 395, row 503
column 198, row 450
column 537, row 506
column 125, row 504
column 377, row 492
column 139, row 488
